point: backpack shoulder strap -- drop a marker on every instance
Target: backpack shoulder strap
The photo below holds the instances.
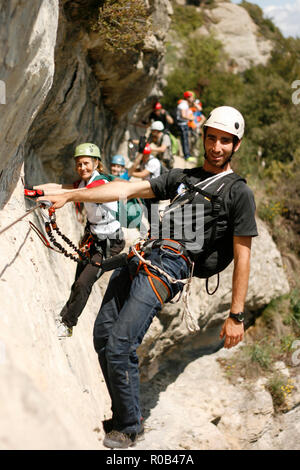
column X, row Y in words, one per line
column 218, row 196
column 107, row 177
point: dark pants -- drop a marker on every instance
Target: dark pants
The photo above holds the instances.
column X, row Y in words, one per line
column 85, row 277
column 128, row 308
column 184, row 137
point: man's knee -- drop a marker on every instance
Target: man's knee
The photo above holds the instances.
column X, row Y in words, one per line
column 118, row 350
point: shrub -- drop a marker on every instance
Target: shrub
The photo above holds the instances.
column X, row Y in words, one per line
column 186, row 19
column 280, row 389
column 122, row 25
column 260, row 353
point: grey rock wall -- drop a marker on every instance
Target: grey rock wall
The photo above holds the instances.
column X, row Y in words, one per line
column 27, row 43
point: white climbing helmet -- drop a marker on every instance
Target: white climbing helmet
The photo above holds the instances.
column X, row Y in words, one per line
column 228, row 119
column 157, row 126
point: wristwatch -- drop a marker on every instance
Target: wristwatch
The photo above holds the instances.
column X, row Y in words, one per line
column 239, row 317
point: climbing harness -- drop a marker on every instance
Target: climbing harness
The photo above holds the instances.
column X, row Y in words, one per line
column 158, row 285
column 140, row 249
column 86, row 243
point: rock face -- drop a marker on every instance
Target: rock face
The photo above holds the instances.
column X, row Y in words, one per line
column 27, row 43
column 55, row 97
column 200, row 409
column 52, row 394
column 233, row 26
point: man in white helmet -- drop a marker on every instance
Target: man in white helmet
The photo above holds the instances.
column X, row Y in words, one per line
column 161, row 144
column 209, row 222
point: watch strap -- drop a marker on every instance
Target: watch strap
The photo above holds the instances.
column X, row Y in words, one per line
column 237, row 316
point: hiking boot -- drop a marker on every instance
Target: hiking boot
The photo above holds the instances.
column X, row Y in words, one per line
column 191, row 159
column 63, row 331
column 116, row 439
column 108, row 426
column 119, row 440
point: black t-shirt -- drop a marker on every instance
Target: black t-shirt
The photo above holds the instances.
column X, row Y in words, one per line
column 236, row 217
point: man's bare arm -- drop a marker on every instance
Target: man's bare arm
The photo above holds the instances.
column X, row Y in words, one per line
column 141, row 174
column 135, row 164
column 242, row 253
column 231, row 330
column 105, row 193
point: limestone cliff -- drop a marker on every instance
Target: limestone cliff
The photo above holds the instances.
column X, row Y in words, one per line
column 239, row 35
column 62, row 88
column 243, row 44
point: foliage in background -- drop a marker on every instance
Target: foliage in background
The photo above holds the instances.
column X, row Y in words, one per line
column 187, row 76
column 186, row 19
column 122, row 25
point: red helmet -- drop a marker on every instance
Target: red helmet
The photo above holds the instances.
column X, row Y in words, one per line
column 147, row 149
column 157, row 106
column 188, row 94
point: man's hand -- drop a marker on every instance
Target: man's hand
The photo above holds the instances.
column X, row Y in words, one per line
column 233, row 332
column 58, row 201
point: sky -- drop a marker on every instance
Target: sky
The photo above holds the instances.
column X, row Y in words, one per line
column 285, row 14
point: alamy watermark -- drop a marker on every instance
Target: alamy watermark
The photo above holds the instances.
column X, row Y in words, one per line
column 185, row 223
column 296, row 94
column 2, row 92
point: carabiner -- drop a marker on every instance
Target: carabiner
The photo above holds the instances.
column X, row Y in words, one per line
column 44, row 204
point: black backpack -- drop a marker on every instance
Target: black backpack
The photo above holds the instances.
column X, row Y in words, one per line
column 216, row 252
